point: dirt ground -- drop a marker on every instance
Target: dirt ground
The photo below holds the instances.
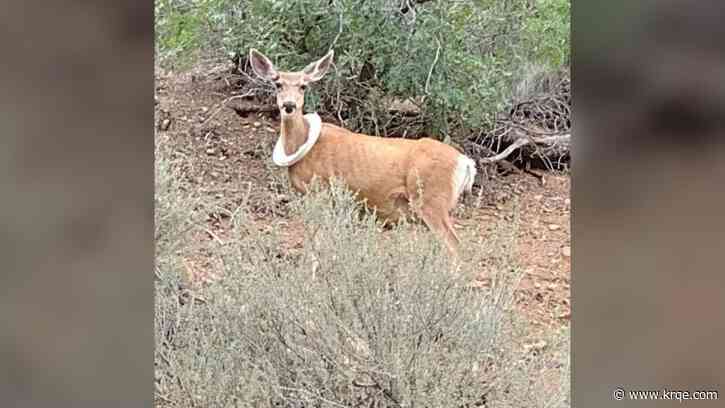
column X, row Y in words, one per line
column 229, row 159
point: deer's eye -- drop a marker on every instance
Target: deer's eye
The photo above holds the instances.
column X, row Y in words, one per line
column 303, row 87
column 278, row 85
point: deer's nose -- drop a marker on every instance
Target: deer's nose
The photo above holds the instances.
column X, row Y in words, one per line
column 289, row 107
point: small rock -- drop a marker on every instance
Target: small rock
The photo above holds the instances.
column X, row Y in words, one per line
column 270, row 129
column 553, row 227
column 165, row 124
column 210, row 151
column 256, row 124
column 566, row 251
column 538, row 197
column 204, row 109
column 567, row 202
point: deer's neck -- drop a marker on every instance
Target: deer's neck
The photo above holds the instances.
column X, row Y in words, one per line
column 294, row 131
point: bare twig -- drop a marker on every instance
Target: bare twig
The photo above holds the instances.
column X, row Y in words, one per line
column 435, row 61
column 311, row 394
column 162, row 397
column 224, row 102
column 339, row 31
column 214, row 236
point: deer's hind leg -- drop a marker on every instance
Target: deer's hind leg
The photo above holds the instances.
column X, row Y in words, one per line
column 433, row 207
column 440, row 222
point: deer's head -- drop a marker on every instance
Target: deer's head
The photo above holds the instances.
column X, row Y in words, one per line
column 290, row 85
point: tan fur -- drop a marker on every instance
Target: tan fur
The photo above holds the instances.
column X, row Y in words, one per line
column 387, row 173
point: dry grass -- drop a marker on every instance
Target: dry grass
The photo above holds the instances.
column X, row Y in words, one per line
column 384, row 320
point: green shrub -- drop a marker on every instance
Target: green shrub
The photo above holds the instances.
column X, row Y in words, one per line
column 548, row 31
column 383, row 321
column 457, row 60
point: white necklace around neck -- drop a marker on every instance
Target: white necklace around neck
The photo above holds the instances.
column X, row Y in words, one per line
column 280, row 158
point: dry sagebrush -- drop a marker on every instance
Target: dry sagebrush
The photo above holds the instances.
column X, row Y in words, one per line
column 383, row 322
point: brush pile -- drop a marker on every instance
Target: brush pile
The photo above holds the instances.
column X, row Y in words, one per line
column 535, row 132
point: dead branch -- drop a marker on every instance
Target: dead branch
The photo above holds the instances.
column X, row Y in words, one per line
column 504, row 154
column 427, row 81
column 536, row 129
column 224, row 102
column 526, row 140
column 245, row 110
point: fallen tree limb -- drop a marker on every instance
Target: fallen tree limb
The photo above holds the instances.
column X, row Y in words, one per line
column 526, row 140
column 244, row 110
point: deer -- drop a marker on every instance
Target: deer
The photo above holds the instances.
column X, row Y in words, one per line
column 395, row 177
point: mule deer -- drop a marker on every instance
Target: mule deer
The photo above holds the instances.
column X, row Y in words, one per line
column 389, row 174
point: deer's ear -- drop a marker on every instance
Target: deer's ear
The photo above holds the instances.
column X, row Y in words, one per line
column 262, row 66
column 316, row 70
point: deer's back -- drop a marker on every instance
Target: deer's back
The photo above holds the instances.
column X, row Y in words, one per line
column 379, row 169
